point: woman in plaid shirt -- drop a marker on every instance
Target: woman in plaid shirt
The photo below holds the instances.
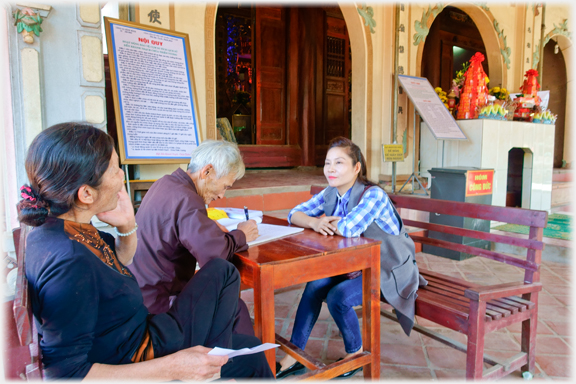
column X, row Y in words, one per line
column 353, row 206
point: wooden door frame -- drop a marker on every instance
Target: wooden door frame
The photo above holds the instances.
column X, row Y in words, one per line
column 362, row 67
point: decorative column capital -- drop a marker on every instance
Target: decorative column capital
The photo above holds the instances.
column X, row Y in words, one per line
column 28, row 19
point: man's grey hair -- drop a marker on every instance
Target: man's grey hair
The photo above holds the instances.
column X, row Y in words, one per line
column 224, row 156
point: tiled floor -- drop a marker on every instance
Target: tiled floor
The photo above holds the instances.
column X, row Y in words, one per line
column 419, row 357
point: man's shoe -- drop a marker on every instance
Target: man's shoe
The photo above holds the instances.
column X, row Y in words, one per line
column 294, row 369
column 349, row 373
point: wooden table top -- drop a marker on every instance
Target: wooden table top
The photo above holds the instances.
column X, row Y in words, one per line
column 299, row 246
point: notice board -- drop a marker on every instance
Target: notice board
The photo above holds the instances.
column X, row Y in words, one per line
column 431, row 109
column 155, row 102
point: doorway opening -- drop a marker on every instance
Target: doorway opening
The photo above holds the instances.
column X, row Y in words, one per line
column 283, row 81
column 453, row 39
column 554, row 80
column 519, row 178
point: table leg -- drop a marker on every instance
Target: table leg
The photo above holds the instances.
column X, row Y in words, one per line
column 371, row 314
column 264, row 321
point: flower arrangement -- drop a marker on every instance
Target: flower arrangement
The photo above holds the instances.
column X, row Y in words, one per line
column 442, row 95
column 494, row 111
column 544, row 117
column 460, row 75
column 499, row 93
column 242, row 97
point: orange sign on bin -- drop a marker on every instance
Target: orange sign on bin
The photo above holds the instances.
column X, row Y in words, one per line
column 479, row 182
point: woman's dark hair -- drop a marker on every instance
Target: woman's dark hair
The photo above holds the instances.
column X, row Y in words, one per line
column 60, row 160
column 355, row 154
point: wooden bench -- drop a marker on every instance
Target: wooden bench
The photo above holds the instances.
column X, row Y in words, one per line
column 25, row 325
column 474, row 309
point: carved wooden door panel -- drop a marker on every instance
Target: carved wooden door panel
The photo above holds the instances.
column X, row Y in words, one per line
column 335, row 120
column 270, row 51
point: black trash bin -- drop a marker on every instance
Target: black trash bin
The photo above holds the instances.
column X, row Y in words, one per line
column 450, row 183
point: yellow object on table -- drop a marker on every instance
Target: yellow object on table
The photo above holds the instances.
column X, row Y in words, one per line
column 216, row 214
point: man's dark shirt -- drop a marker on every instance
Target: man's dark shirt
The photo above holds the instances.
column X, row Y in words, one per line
column 174, row 232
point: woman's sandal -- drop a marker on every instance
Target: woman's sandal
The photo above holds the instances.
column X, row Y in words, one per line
column 294, row 369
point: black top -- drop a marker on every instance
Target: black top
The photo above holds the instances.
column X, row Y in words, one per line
column 88, row 305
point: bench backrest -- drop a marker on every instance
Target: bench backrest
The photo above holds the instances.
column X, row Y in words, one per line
column 22, row 308
column 536, row 220
column 25, row 326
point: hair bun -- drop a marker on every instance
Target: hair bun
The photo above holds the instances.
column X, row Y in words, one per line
column 32, row 209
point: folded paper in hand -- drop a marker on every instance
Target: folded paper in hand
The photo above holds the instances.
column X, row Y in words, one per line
column 244, row 351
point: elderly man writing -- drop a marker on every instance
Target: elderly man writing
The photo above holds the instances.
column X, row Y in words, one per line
column 175, row 233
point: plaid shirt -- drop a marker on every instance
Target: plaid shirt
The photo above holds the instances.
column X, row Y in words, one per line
column 374, row 206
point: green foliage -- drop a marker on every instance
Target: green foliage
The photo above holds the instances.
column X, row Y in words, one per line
column 368, row 14
column 26, row 22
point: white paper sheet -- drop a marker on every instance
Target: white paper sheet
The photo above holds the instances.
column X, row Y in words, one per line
column 231, row 224
column 270, row 232
column 244, row 351
column 238, row 213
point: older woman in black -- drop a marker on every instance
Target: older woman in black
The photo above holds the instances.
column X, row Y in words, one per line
column 89, row 308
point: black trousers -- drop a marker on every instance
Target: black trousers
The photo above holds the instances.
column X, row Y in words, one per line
column 204, row 314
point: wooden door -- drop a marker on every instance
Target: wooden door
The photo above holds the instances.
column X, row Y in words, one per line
column 270, row 51
column 335, row 92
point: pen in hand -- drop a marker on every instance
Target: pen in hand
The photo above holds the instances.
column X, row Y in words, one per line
column 246, row 213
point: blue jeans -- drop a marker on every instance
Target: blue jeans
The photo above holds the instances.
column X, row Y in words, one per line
column 340, row 295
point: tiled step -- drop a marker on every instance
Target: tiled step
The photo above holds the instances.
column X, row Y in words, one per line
column 555, row 250
column 562, row 175
column 562, row 209
column 264, row 199
column 272, row 190
column 561, row 193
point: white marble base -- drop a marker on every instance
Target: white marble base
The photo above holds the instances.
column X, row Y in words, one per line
column 487, row 146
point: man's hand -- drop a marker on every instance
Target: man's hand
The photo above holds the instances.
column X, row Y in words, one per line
column 324, row 225
column 250, row 229
column 195, row 364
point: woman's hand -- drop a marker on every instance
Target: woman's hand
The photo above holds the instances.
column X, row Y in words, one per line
column 334, row 223
column 324, row 225
column 191, row 364
column 196, row 364
column 121, row 217
column 250, row 229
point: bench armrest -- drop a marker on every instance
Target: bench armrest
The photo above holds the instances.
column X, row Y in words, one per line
column 501, row 290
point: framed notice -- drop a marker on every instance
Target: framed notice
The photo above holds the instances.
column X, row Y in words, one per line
column 431, row 109
column 154, row 94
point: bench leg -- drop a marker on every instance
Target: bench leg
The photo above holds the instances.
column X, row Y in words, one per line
column 475, row 350
column 529, row 336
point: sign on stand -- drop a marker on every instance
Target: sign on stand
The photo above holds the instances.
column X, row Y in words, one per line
column 154, row 94
column 431, row 109
column 393, row 152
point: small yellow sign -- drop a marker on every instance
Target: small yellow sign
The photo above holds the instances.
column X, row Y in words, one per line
column 393, row 152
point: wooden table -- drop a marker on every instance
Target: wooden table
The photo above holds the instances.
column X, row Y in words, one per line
column 309, row 256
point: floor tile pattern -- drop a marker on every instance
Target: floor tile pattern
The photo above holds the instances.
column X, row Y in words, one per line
column 418, row 357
